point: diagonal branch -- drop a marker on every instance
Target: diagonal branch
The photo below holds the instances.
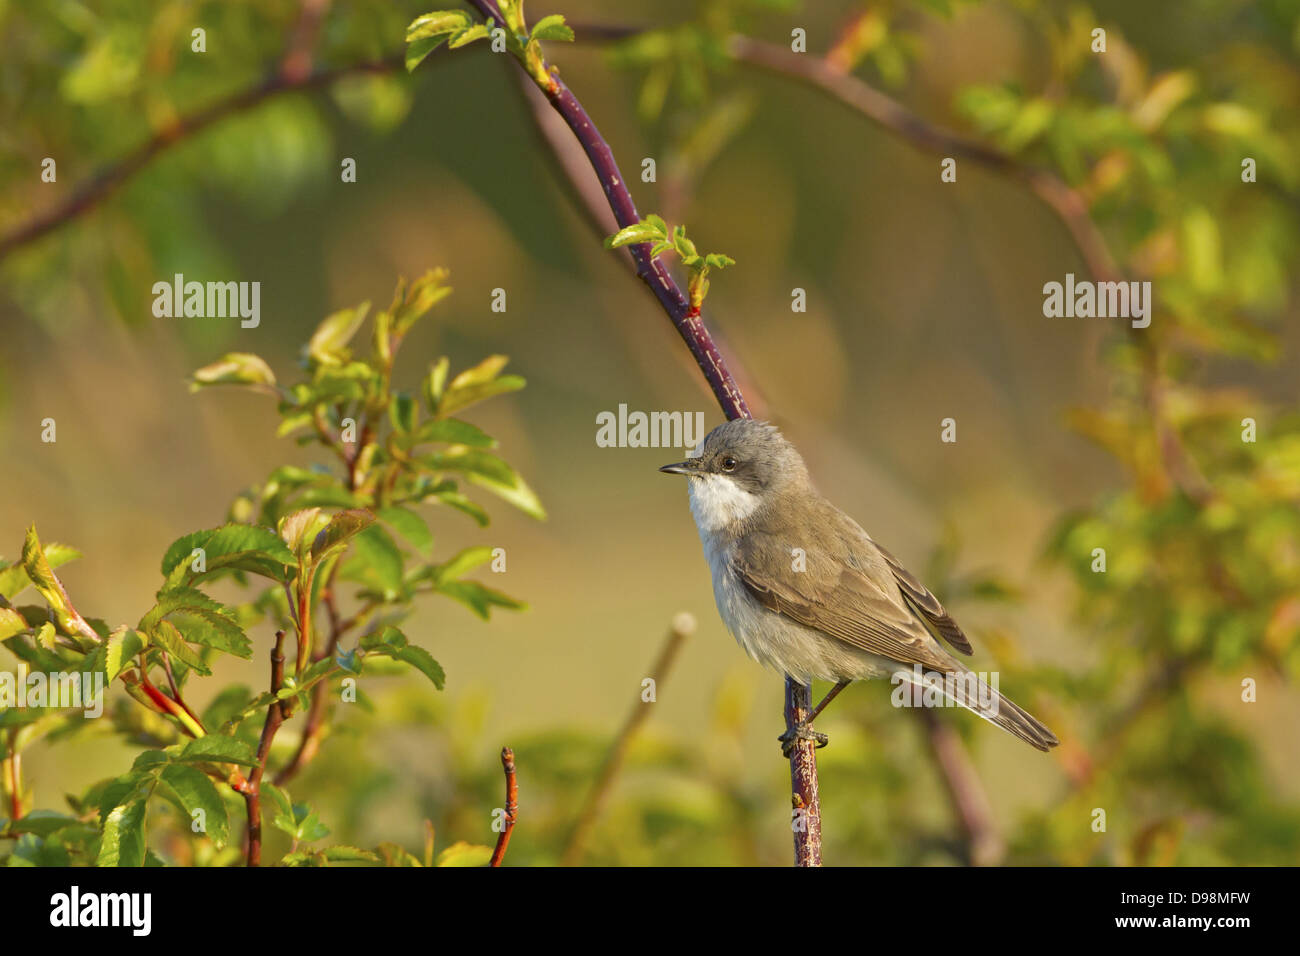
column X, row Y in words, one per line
column 91, row 194
column 690, row 326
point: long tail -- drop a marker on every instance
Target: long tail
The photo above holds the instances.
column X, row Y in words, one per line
column 964, row 688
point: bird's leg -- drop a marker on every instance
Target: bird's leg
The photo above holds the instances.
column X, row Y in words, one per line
column 803, row 730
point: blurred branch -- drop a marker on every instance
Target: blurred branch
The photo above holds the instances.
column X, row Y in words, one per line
column 512, row 806
column 683, row 626
column 296, row 65
column 690, row 326
column 253, row 790
column 93, row 192
column 965, row 791
column 13, row 776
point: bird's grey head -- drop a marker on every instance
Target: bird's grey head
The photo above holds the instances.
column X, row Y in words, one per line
column 739, row 465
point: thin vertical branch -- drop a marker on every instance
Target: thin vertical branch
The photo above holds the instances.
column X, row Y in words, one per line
column 253, row 789
column 683, row 626
column 690, row 326
column 13, row 776
column 512, row 806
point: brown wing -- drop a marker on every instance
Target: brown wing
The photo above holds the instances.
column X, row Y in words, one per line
column 927, row 605
column 838, row 596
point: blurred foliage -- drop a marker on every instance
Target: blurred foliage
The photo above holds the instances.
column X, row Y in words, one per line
column 1201, row 540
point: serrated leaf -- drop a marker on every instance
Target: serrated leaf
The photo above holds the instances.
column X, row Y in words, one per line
column 478, row 31
column 123, row 839
column 552, row 27
column 230, row 547
column 437, row 23
column 515, row 492
column 214, row 748
column 631, row 235
column 38, row 569
column 14, row 579
column 122, row 647
column 195, row 791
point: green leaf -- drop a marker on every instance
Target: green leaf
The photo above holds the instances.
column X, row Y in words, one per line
column 234, row 368
column 214, row 748
column 478, row 31
column 165, row 634
column 11, row 623
column 195, row 791
column 460, row 565
column 42, row 576
column 199, row 619
column 376, row 562
column 402, row 413
column 14, row 579
column 552, row 27
column 438, row 23
column 417, row 50
column 123, row 645
column 631, row 235
column 478, row 598
column 341, row 528
column 453, row 431
column 123, row 840
column 464, row 854
column 231, row 547
column 406, row 523
column 328, row 345
column 435, row 384
column 514, row 491
column 349, row 854
column 392, row 643
column 299, row 529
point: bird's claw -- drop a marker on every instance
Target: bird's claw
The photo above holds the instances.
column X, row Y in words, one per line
column 798, row 733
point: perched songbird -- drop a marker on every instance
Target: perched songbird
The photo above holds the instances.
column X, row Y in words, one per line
column 805, row 590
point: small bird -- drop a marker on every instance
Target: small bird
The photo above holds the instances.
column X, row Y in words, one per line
column 805, row 590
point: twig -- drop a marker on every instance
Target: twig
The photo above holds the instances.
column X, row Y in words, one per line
column 253, row 789
column 512, row 806
column 690, row 326
column 683, row 626
column 296, row 65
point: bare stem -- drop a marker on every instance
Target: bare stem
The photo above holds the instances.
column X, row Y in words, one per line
column 253, row 790
column 512, row 806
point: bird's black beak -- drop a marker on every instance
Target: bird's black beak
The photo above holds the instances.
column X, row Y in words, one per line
column 689, row 467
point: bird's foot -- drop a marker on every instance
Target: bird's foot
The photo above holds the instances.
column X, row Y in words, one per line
column 800, row 732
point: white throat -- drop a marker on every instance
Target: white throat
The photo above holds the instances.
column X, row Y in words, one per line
column 718, row 501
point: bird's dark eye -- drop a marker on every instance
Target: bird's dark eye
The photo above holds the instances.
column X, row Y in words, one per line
column 728, row 464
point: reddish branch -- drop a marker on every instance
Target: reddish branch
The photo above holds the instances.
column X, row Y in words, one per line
column 512, row 806
column 690, row 326
column 253, row 790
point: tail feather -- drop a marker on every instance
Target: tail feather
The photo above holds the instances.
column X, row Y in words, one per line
column 997, row 709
